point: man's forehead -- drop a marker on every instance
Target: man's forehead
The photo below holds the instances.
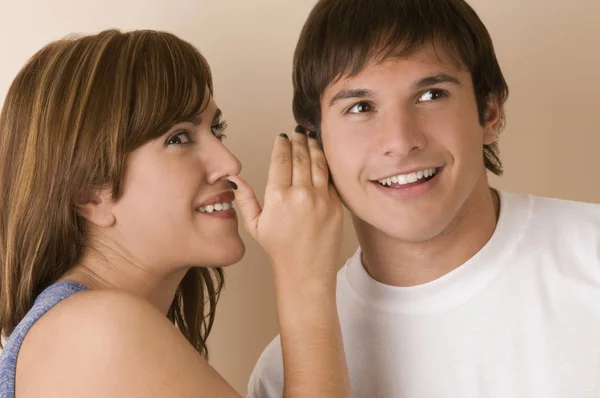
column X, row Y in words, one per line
column 422, row 64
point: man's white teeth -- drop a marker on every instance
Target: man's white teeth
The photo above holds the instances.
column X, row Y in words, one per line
column 216, row 207
column 404, row 179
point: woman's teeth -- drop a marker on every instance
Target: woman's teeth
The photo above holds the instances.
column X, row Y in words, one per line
column 216, row 207
column 404, row 179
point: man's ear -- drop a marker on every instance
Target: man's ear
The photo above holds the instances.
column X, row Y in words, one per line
column 96, row 205
column 492, row 122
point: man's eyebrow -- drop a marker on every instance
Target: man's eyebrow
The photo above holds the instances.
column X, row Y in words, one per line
column 437, row 79
column 365, row 93
column 352, row 93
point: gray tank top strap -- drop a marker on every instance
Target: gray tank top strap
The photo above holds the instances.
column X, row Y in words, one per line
column 53, row 295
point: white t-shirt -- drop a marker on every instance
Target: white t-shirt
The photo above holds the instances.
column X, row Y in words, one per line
column 521, row 318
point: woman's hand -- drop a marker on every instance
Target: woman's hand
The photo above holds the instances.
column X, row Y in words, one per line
column 300, row 225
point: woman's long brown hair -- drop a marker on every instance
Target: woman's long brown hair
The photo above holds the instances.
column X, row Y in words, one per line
column 71, row 117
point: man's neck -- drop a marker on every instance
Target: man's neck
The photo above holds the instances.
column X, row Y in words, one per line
column 399, row 263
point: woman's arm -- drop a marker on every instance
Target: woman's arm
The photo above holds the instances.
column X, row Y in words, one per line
column 300, row 229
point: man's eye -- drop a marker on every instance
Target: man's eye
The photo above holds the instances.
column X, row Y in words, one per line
column 431, row 95
column 361, row 107
column 179, row 139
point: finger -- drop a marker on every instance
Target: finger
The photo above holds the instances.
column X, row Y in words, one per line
column 280, row 169
column 318, row 162
column 250, row 209
column 301, row 173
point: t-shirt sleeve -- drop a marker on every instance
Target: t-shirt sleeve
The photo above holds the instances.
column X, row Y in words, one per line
column 266, row 380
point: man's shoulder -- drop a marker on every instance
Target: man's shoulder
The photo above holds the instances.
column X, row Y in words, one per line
column 568, row 228
column 565, row 204
column 567, row 231
column 566, row 213
column 551, row 209
column 267, row 377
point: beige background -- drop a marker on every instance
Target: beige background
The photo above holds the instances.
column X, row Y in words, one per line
column 548, row 50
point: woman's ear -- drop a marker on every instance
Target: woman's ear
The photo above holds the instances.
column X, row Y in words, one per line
column 492, row 122
column 96, row 206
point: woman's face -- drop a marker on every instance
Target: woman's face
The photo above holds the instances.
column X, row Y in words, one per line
column 175, row 209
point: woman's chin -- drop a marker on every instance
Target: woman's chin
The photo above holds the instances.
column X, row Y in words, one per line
column 229, row 255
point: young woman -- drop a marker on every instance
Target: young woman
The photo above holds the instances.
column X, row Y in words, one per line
column 116, row 215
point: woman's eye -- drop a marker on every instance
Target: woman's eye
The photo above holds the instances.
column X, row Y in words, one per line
column 431, row 95
column 360, row 107
column 218, row 130
column 179, row 139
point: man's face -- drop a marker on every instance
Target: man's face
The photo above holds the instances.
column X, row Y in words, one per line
column 405, row 145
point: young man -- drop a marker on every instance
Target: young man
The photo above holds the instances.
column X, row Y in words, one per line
column 457, row 290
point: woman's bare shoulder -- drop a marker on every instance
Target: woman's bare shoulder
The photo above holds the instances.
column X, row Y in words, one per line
column 103, row 343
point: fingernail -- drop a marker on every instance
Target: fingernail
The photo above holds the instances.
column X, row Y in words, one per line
column 233, row 185
column 300, row 129
column 312, row 135
column 284, row 135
